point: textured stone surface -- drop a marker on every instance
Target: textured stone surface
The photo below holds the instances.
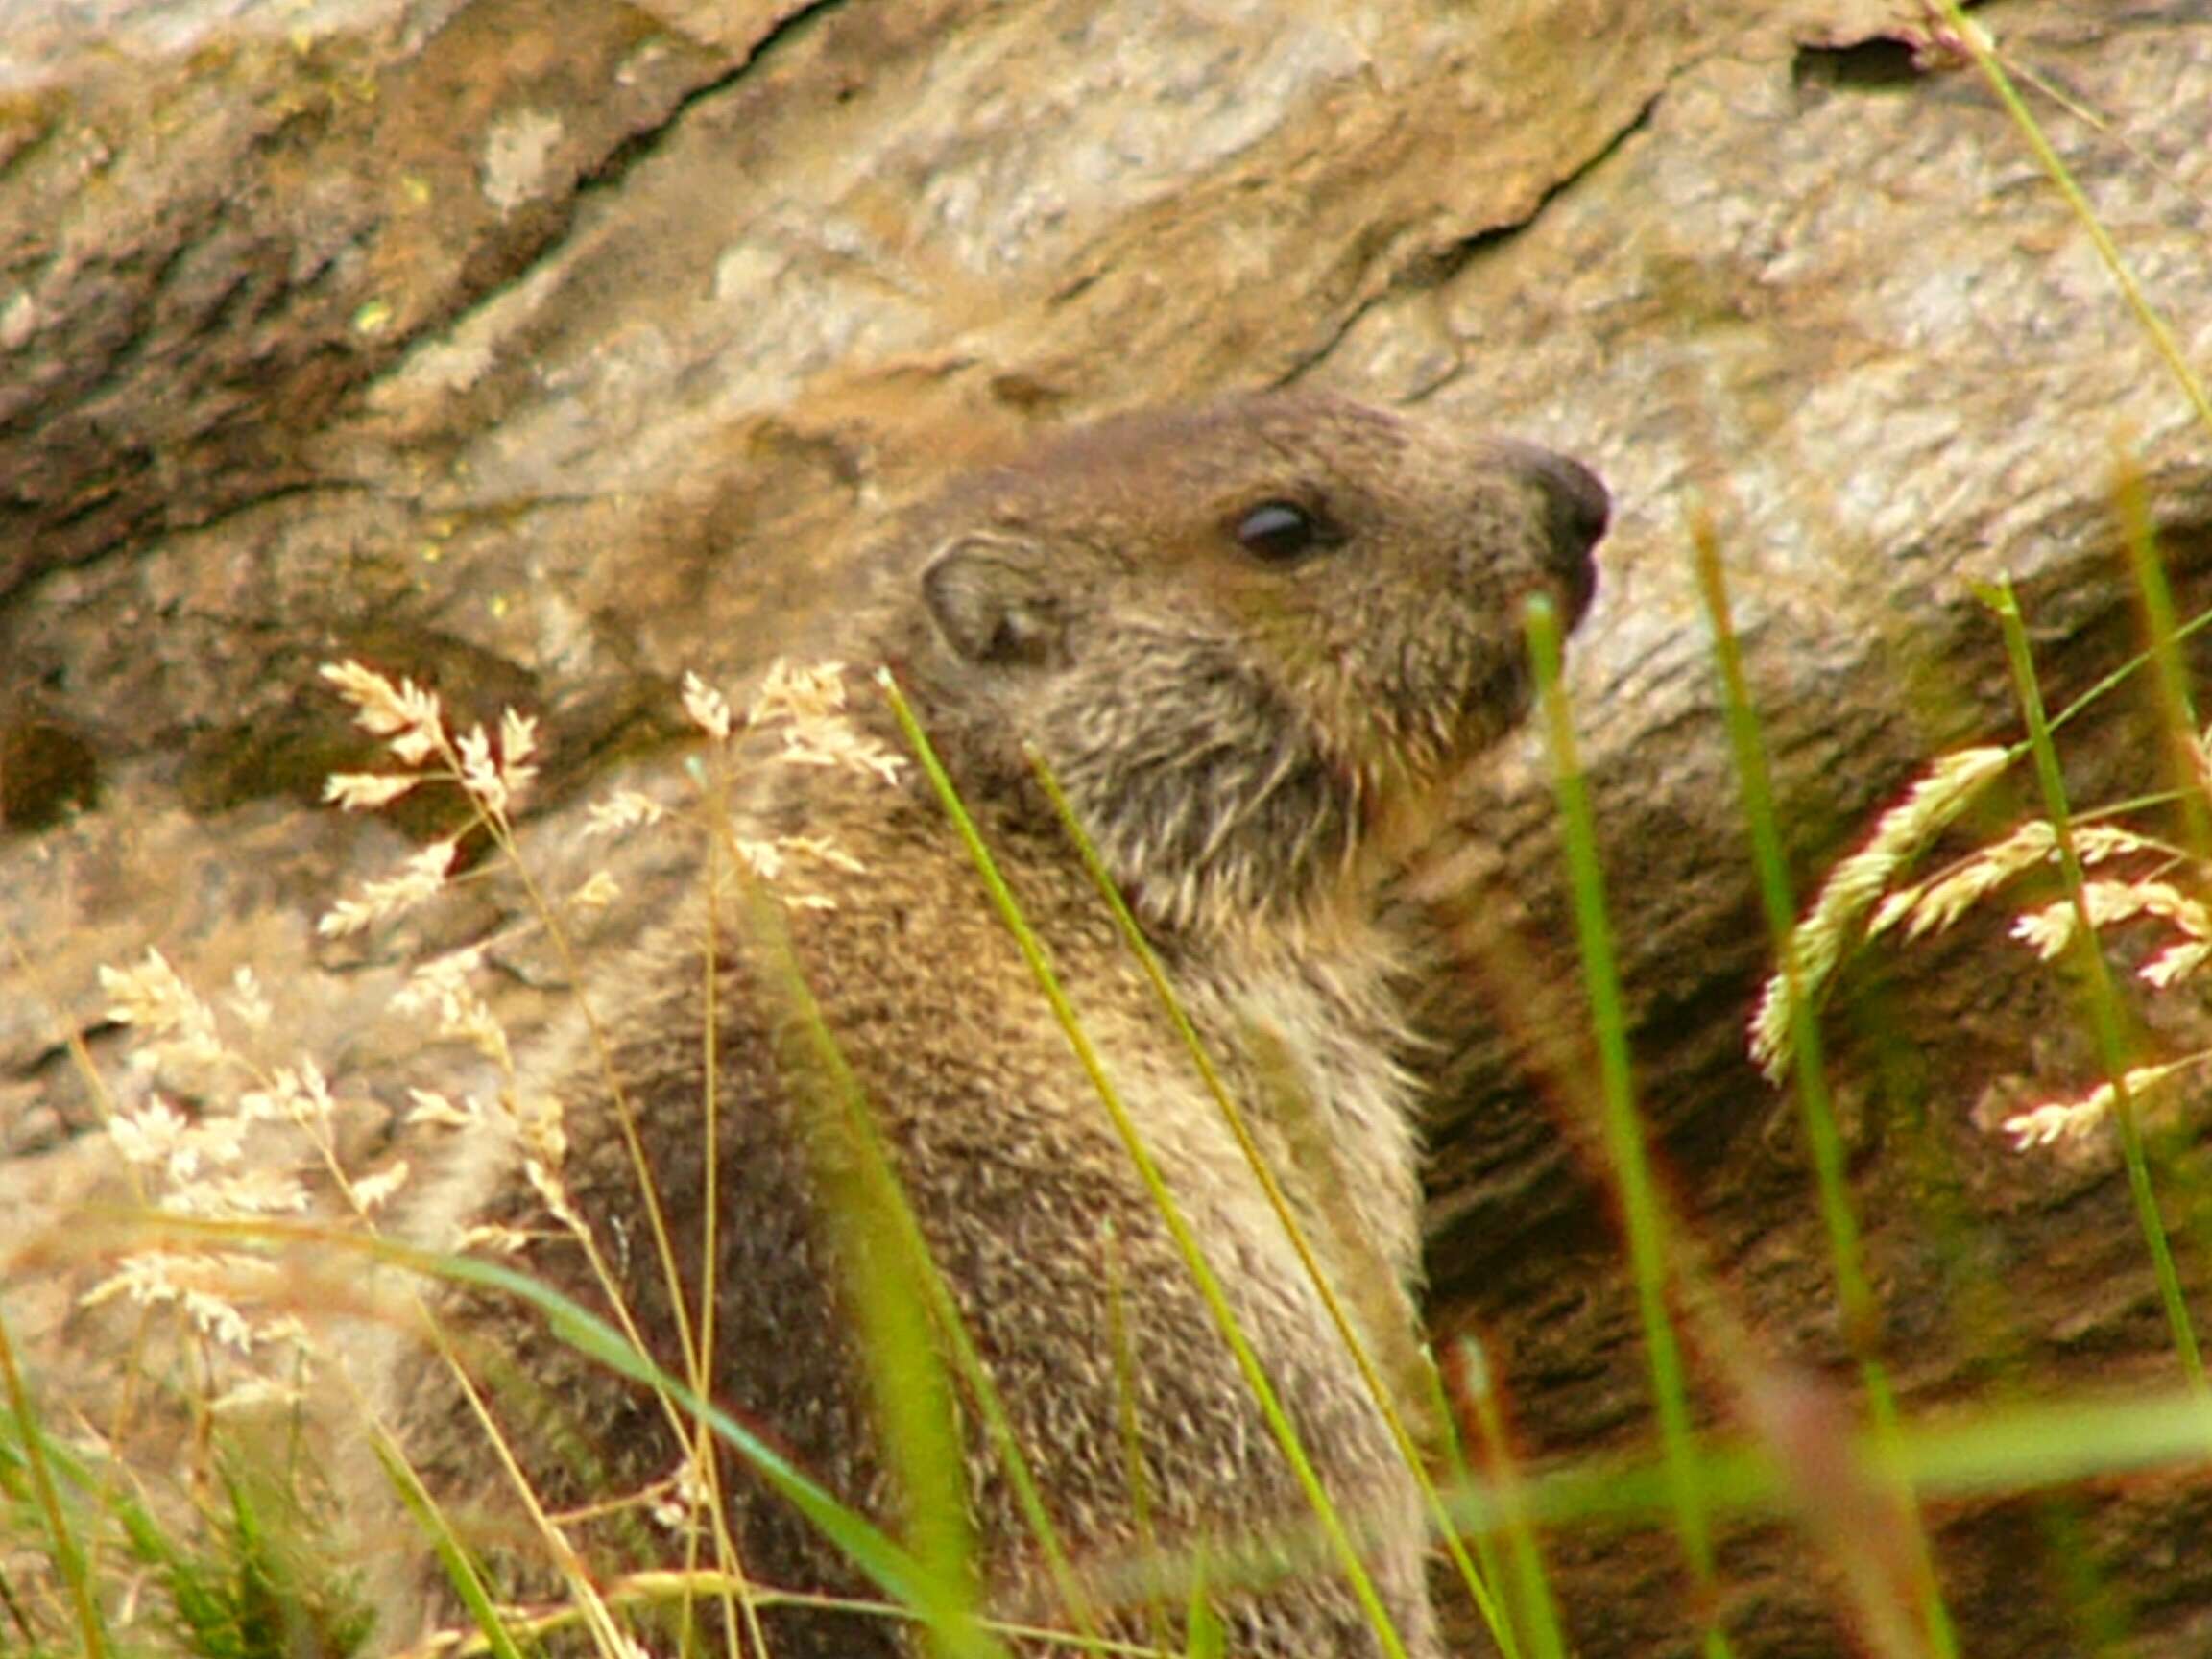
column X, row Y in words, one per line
column 545, row 350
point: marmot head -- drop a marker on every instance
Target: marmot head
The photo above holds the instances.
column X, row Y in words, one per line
column 1239, row 633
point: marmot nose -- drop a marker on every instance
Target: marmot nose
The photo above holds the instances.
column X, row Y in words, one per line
column 1576, row 509
column 1581, row 507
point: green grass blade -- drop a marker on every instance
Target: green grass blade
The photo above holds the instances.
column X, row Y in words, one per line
column 2103, row 995
column 886, row 1213
column 460, row 1571
column 1861, row 1311
column 886, row 1277
column 1970, row 36
column 1206, row 1639
column 1119, row 1340
column 1207, row 1282
column 1641, row 1211
column 873, row 1552
column 2163, row 635
column 2096, row 693
column 1990, row 1453
column 1140, row 946
column 68, row 1555
column 1471, row 1382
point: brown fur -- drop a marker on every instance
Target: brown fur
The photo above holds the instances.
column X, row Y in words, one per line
column 1248, row 741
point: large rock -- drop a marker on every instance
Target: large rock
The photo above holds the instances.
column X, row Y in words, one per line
column 545, row 350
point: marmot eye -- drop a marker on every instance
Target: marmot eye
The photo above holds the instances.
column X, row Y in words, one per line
column 1282, row 532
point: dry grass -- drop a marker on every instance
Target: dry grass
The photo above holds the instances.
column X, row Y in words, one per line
column 2150, row 893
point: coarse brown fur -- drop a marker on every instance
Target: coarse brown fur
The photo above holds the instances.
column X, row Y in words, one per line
column 1250, row 727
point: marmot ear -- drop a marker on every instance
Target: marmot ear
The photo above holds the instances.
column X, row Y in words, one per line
column 992, row 603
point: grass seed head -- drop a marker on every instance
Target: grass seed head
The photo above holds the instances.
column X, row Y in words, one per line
column 1818, row 941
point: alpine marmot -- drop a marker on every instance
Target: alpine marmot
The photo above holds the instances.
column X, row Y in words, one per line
column 1254, row 642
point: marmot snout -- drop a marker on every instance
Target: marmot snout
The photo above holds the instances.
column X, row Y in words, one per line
column 1243, row 637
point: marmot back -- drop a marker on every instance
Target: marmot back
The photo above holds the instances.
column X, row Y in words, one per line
column 1253, row 643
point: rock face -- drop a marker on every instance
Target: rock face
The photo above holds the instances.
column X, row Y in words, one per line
column 547, row 351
